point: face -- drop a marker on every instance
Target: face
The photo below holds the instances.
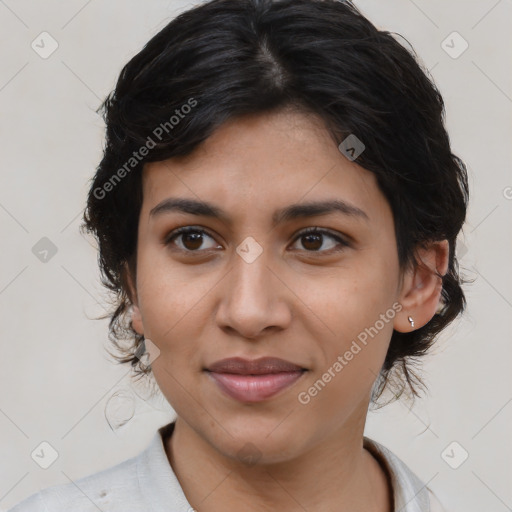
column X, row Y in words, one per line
column 251, row 282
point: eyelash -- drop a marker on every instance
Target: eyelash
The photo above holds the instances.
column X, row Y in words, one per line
column 313, row 230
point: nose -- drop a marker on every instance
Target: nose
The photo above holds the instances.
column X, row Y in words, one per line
column 254, row 300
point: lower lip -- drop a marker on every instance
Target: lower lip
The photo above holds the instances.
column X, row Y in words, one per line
column 254, row 388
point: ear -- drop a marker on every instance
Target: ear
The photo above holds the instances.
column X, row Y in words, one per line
column 132, row 295
column 421, row 287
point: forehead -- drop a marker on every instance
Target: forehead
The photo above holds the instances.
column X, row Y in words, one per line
column 262, row 163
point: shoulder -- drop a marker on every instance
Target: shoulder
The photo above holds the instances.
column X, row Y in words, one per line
column 435, row 504
column 145, row 482
column 34, row 503
column 113, row 489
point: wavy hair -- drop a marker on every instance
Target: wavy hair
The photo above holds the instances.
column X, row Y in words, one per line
column 233, row 58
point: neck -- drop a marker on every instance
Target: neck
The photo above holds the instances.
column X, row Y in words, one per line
column 337, row 474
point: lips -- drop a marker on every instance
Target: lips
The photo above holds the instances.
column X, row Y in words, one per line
column 261, row 366
column 253, row 380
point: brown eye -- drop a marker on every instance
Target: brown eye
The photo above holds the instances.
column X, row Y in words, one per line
column 312, row 242
column 313, row 239
column 191, row 239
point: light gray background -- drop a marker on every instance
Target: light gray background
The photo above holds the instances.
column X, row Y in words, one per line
column 56, row 378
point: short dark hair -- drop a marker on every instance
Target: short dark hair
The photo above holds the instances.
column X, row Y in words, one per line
column 228, row 58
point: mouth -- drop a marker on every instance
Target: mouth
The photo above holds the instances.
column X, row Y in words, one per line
column 254, row 380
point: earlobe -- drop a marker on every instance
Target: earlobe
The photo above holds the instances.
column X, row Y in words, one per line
column 136, row 319
column 422, row 286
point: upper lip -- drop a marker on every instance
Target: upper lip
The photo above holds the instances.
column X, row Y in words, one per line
column 261, row 366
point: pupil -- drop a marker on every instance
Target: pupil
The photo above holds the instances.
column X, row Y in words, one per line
column 195, row 238
column 310, row 237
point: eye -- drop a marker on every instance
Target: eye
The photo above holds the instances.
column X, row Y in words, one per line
column 313, row 239
column 191, row 239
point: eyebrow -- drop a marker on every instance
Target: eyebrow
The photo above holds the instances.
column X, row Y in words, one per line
column 294, row 211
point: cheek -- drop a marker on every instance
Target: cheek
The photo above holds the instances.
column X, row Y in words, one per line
column 177, row 302
column 166, row 310
column 173, row 308
column 360, row 320
column 356, row 305
column 172, row 302
column 353, row 297
column 171, row 320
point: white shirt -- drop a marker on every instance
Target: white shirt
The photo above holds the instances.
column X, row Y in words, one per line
column 147, row 483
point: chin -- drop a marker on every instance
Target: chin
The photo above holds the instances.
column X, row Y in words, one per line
column 257, row 440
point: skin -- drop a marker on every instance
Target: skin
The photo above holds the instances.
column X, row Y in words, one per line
column 303, row 300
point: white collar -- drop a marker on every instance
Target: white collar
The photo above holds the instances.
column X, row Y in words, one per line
column 162, row 490
column 410, row 494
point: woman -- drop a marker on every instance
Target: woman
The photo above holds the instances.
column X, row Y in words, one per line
column 277, row 211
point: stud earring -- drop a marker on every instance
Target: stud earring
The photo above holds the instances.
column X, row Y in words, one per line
column 411, row 321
